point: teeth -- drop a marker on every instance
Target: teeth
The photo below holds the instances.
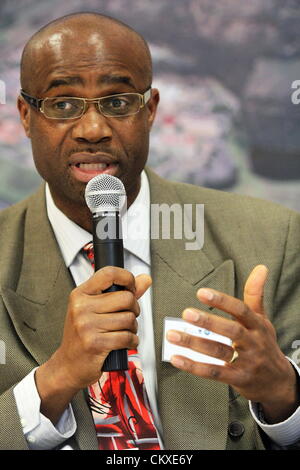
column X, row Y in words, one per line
column 93, row 166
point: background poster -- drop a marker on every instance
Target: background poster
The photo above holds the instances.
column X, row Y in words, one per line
column 229, row 116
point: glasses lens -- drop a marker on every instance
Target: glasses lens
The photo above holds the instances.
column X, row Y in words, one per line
column 120, row 105
column 63, row 108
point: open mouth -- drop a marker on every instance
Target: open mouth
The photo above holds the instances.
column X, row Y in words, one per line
column 84, row 171
column 93, row 166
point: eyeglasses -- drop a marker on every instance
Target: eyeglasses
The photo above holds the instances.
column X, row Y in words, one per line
column 71, row 107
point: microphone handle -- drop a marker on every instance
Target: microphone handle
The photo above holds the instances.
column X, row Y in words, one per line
column 108, row 251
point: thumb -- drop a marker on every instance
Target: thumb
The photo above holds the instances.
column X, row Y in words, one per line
column 254, row 288
column 142, row 283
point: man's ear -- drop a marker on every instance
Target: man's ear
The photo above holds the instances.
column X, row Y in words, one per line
column 152, row 105
column 24, row 111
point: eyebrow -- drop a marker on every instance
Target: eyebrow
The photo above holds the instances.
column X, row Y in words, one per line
column 112, row 79
column 56, row 82
column 104, row 79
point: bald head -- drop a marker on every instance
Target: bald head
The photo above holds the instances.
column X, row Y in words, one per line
column 79, row 28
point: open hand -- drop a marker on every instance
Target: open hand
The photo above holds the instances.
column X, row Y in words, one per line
column 260, row 371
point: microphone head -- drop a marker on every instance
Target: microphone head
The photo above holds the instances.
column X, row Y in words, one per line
column 105, row 193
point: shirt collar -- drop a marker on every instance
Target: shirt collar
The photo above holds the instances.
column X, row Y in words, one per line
column 136, row 223
column 136, row 227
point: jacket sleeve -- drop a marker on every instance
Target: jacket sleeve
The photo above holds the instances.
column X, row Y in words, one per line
column 286, row 307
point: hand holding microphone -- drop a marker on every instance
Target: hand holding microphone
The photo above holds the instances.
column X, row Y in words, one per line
column 100, row 321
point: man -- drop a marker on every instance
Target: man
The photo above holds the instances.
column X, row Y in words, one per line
column 57, row 335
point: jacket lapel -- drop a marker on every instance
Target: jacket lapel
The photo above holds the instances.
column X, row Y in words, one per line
column 37, row 304
column 191, row 408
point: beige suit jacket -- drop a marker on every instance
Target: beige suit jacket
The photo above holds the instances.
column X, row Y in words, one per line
column 240, row 232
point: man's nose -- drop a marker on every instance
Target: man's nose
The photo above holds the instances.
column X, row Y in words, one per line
column 92, row 126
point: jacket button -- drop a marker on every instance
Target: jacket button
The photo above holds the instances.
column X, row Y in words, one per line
column 236, row 429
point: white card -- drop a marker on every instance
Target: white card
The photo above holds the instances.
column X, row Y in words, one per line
column 178, row 324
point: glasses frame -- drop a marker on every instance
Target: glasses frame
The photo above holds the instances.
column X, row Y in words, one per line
column 38, row 103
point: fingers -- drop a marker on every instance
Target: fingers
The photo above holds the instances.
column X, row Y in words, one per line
column 248, row 314
column 201, row 345
column 258, row 361
column 116, row 321
column 223, row 326
column 95, row 343
column 116, row 331
column 93, row 313
column 87, row 296
column 244, row 311
column 105, row 278
column 142, row 283
column 254, row 289
column 115, row 340
column 108, row 302
column 98, row 322
column 96, row 332
column 228, row 375
column 235, row 307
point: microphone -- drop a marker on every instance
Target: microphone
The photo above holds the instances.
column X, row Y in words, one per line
column 105, row 196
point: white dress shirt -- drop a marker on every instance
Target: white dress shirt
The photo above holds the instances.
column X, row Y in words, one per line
column 39, row 432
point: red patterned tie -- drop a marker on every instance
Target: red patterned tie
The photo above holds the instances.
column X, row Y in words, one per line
column 120, row 405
